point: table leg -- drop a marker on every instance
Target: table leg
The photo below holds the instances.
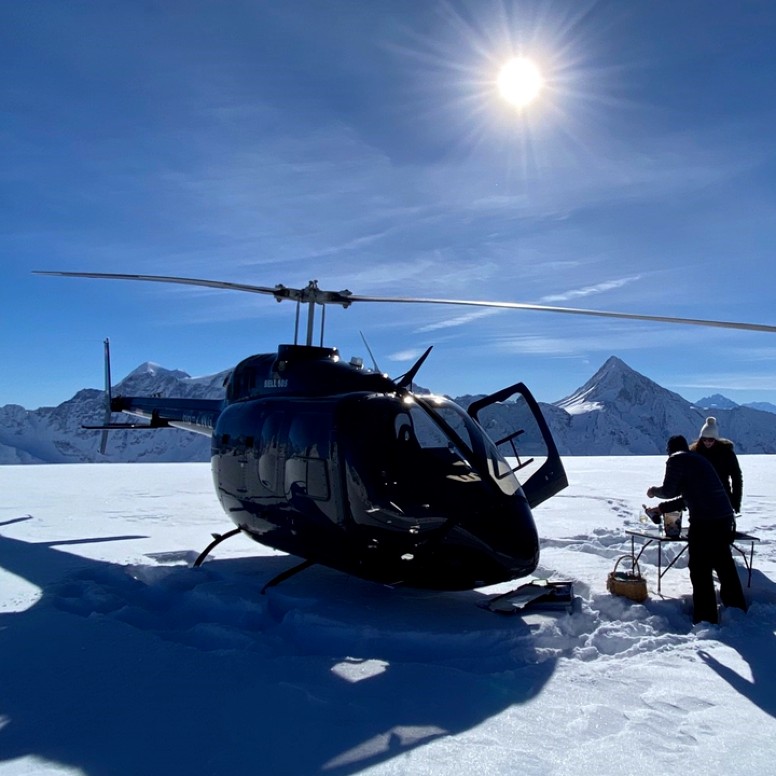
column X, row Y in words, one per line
column 659, row 565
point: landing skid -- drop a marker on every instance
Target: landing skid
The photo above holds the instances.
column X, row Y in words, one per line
column 276, row 580
column 217, row 539
column 284, row 575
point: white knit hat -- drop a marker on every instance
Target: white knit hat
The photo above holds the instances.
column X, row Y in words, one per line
column 710, row 430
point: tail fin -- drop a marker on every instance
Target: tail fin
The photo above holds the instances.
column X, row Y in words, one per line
column 408, row 377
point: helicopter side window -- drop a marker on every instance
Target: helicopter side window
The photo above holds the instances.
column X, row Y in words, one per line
column 243, row 383
column 270, row 452
column 306, row 469
column 405, row 434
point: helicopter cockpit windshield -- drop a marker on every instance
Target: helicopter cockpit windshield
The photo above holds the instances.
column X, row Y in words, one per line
column 483, row 450
column 413, row 464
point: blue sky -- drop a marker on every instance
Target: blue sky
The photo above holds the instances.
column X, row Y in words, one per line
column 365, row 145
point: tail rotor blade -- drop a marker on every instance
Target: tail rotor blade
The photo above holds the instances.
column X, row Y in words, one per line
column 108, row 397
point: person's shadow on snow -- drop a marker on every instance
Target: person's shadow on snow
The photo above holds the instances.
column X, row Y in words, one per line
column 761, row 688
column 168, row 669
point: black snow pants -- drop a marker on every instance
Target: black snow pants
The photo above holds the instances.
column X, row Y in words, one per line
column 709, row 547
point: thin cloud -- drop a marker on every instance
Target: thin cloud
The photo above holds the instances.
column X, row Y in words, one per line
column 599, row 288
column 738, row 381
column 460, row 320
column 412, row 354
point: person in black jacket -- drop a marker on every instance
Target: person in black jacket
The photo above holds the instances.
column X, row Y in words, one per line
column 691, row 482
column 721, row 454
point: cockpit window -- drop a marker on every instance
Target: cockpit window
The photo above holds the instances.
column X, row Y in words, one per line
column 484, row 451
column 407, row 461
column 428, row 433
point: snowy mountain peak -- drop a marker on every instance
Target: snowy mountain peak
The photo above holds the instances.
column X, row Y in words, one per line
column 614, row 382
column 716, row 402
column 622, row 412
column 149, row 368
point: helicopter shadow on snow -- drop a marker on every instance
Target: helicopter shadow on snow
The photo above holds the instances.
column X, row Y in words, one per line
column 172, row 669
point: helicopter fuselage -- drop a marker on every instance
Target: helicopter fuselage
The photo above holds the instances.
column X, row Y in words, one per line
column 338, row 465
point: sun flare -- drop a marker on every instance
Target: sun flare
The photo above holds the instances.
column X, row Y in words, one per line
column 520, row 82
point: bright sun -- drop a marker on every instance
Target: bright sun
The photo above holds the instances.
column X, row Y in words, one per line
column 519, row 82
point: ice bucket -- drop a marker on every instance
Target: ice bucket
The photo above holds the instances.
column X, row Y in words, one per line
column 672, row 524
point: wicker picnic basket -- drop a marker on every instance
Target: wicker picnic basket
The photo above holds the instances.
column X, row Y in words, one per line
column 629, row 584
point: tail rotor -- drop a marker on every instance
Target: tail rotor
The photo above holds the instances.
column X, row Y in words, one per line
column 107, row 416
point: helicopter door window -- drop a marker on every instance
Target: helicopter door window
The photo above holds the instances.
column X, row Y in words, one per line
column 513, row 420
column 403, row 426
column 307, row 477
column 269, row 457
column 306, row 469
column 516, row 434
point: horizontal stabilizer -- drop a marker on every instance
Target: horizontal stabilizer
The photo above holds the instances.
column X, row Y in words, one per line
column 124, row 426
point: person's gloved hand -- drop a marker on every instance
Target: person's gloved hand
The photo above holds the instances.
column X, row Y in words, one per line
column 653, row 513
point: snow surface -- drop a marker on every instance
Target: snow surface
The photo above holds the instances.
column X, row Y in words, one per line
column 118, row 659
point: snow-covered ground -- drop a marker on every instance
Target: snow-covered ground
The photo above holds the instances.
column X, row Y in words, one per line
column 118, row 659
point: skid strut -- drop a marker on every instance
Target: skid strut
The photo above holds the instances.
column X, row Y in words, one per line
column 217, row 539
column 276, row 580
column 287, row 573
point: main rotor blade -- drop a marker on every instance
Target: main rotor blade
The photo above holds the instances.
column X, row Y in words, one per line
column 166, row 279
column 569, row 311
column 310, row 294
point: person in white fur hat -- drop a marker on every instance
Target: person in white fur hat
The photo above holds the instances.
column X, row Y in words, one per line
column 721, row 454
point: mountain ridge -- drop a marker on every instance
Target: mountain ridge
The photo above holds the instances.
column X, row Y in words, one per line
column 718, row 401
column 618, row 411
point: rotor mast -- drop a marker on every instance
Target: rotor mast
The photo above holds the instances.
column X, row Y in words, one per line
column 311, row 295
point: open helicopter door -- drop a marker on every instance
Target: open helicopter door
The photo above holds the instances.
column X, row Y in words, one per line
column 513, row 419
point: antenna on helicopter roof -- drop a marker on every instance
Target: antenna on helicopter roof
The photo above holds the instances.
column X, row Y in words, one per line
column 369, row 350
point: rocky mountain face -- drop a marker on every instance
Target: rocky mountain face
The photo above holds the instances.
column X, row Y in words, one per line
column 617, row 412
column 637, row 416
column 716, row 402
column 621, row 412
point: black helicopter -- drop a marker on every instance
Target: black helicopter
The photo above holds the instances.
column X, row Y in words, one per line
column 346, row 467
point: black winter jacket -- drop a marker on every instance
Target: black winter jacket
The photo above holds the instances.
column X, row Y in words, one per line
column 692, row 479
column 723, row 458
